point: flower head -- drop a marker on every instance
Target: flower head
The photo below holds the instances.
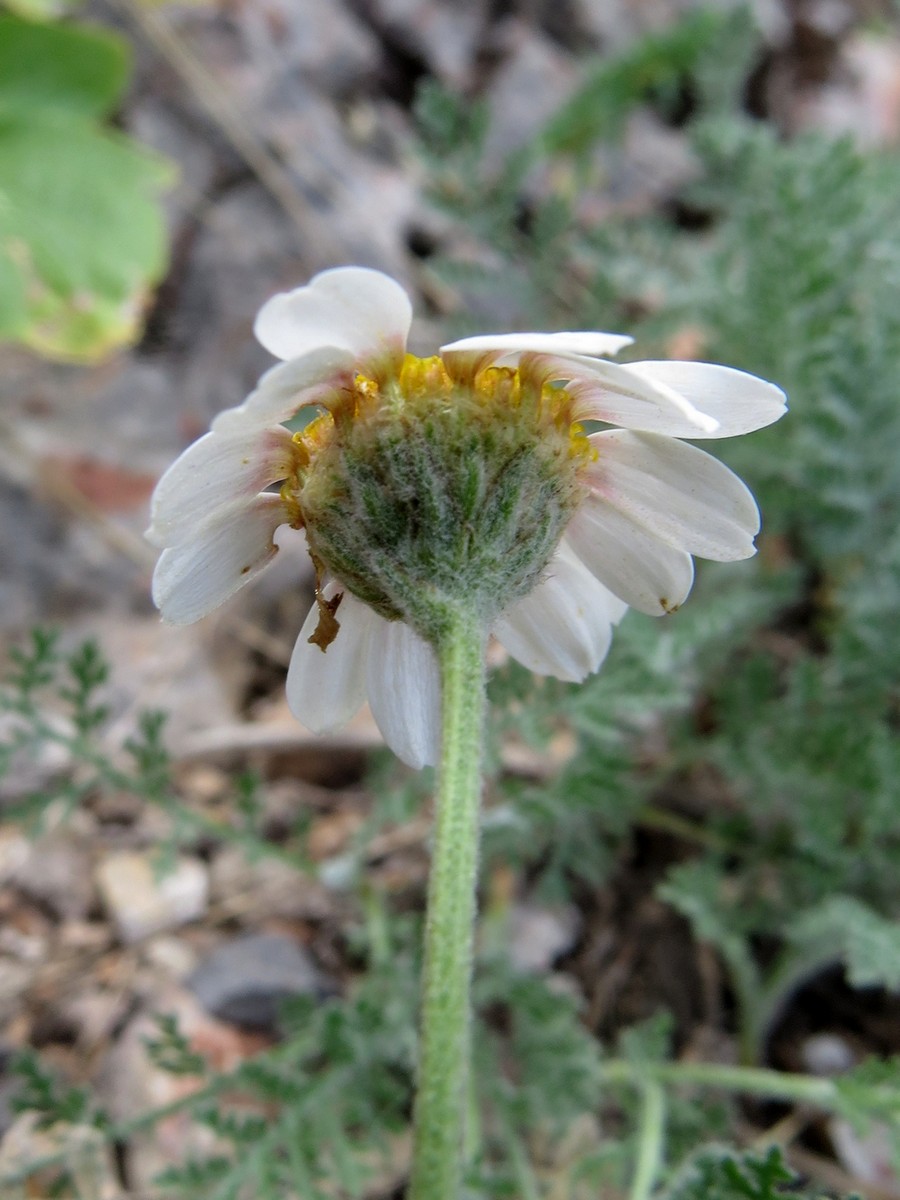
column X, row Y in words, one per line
column 464, row 479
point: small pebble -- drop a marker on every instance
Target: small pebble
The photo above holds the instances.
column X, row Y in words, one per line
column 245, row 980
column 538, row 936
column 141, row 901
column 827, row 1054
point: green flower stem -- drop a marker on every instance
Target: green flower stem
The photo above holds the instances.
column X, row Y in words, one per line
column 748, row 1081
column 450, row 920
column 650, row 1140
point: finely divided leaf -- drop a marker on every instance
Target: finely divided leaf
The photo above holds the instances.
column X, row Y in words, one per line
column 868, row 943
column 723, row 1174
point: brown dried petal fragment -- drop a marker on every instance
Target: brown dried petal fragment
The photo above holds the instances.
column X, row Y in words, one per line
column 328, row 626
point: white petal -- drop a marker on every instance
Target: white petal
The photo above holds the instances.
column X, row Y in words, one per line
column 738, row 401
column 645, row 572
column 613, row 607
column 680, row 493
column 506, row 347
column 226, row 551
column 284, row 389
column 404, row 687
column 325, row 689
column 607, row 391
column 351, row 308
column 564, row 626
column 214, row 472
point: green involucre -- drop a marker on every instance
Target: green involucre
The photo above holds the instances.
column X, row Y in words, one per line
column 435, row 507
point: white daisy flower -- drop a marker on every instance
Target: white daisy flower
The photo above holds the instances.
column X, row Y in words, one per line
column 465, row 475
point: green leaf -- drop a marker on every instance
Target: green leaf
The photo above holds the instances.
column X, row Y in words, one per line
column 871, row 1091
column 40, row 1092
column 648, row 1042
column 171, row 1051
column 60, row 67
column 868, row 943
column 13, row 307
column 81, row 235
column 726, row 1175
column 40, row 10
column 657, row 65
column 700, row 892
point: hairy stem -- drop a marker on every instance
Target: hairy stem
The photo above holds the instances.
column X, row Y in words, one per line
column 650, row 1141
column 748, row 1081
column 450, row 919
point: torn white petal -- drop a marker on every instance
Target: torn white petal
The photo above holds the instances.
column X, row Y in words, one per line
column 607, row 391
column 225, row 552
column 681, row 494
column 738, row 401
column 637, row 566
column 326, row 688
column 403, row 684
column 352, row 308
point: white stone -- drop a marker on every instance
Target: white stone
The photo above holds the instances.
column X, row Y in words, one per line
column 87, row 1156
column 140, row 901
column 538, row 936
column 827, row 1054
column 171, row 956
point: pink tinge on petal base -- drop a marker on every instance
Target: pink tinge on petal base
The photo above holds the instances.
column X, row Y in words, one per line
column 737, row 401
column 680, row 494
column 609, row 392
column 212, row 474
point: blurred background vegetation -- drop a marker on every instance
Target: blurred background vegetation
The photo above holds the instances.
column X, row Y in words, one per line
column 689, row 951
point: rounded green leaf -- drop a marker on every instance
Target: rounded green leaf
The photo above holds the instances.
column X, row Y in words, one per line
column 66, row 67
column 81, row 234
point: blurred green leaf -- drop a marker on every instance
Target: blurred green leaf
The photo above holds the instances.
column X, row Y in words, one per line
column 726, row 1175
column 655, row 69
column 868, row 1090
column 12, row 295
column 78, row 69
column 699, row 891
column 868, row 943
column 39, row 10
column 81, row 234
